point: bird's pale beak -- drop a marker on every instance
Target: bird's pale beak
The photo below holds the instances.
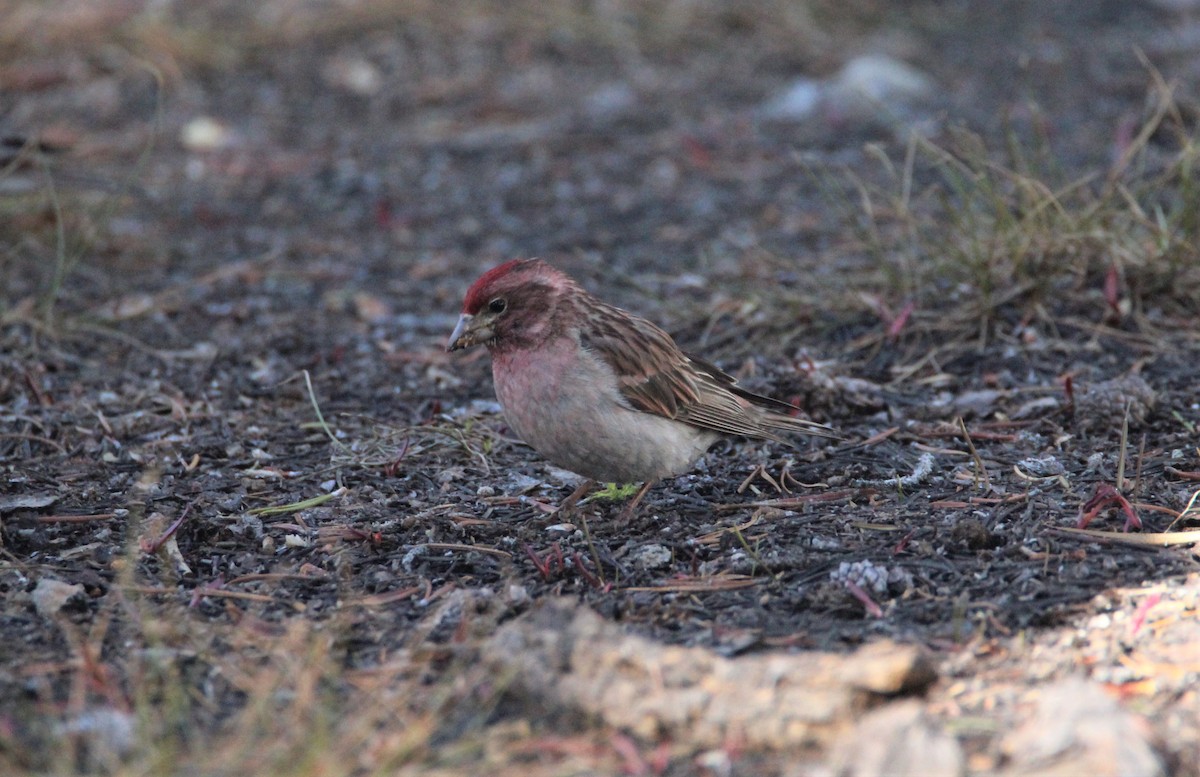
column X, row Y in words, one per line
column 468, row 332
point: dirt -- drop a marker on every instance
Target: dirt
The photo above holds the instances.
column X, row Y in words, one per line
column 328, row 233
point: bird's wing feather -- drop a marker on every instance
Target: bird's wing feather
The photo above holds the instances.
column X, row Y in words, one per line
column 655, row 376
column 646, row 361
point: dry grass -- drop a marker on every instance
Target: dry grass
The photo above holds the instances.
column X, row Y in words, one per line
column 159, row 689
column 172, row 692
column 983, row 243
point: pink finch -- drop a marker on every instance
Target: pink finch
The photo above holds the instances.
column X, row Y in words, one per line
column 600, row 391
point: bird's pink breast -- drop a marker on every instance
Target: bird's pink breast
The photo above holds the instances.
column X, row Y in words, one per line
column 564, row 402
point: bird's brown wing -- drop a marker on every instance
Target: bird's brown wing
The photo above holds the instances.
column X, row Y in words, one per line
column 769, row 414
column 647, row 363
column 655, row 376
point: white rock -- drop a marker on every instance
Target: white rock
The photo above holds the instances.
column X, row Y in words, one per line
column 869, row 87
column 876, row 79
column 205, row 133
column 798, row 101
column 50, row 595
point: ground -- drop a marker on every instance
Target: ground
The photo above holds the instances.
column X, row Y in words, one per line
column 255, row 519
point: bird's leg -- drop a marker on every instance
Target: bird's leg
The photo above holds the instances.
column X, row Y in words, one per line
column 627, row 513
column 567, row 506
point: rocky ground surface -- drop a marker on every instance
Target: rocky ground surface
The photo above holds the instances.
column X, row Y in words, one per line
column 254, row 519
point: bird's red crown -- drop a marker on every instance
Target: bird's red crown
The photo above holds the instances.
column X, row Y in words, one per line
column 477, row 295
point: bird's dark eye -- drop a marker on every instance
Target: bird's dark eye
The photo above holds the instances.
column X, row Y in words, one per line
column 498, row 305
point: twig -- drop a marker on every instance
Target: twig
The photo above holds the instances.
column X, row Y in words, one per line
column 785, row 502
column 1137, row 472
column 545, row 566
column 1121, row 485
column 878, row 438
column 856, row 590
column 153, row 547
column 312, row 397
column 74, row 518
column 1106, row 496
column 468, row 548
column 700, row 585
column 1153, row 540
column 33, row 438
column 1186, row 510
column 587, row 535
column 959, row 504
column 1139, row 616
column 753, row 554
column 217, row 592
column 980, row 468
column 379, row 600
column 596, row 581
column 761, row 472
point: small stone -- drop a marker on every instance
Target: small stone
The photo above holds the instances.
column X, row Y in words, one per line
column 295, row 541
column 869, row 88
column 50, row 595
column 206, row 134
column 652, row 556
column 517, row 594
column 1042, row 466
column 978, row 403
column 798, row 101
column 878, row 80
column 353, row 74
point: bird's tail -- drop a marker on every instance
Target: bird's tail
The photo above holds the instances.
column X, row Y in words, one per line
column 776, row 421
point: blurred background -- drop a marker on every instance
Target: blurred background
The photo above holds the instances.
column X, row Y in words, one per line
column 408, row 141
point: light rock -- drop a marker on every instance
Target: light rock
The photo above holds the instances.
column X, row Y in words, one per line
column 50, row 595
column 897, row 739
column 1079, row 729
column 872, row 87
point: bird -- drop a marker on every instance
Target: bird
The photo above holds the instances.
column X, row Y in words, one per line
column 603, row 392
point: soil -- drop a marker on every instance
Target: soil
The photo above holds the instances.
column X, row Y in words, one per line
column 312, row 251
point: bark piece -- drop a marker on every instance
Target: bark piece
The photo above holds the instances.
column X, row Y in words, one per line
column 565, row 656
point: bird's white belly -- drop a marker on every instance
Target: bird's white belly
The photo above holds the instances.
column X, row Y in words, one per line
column 569, row 410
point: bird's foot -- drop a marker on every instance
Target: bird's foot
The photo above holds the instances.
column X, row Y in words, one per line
column 568, row 506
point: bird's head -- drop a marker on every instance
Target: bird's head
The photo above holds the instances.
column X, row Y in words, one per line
column 510, row 306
